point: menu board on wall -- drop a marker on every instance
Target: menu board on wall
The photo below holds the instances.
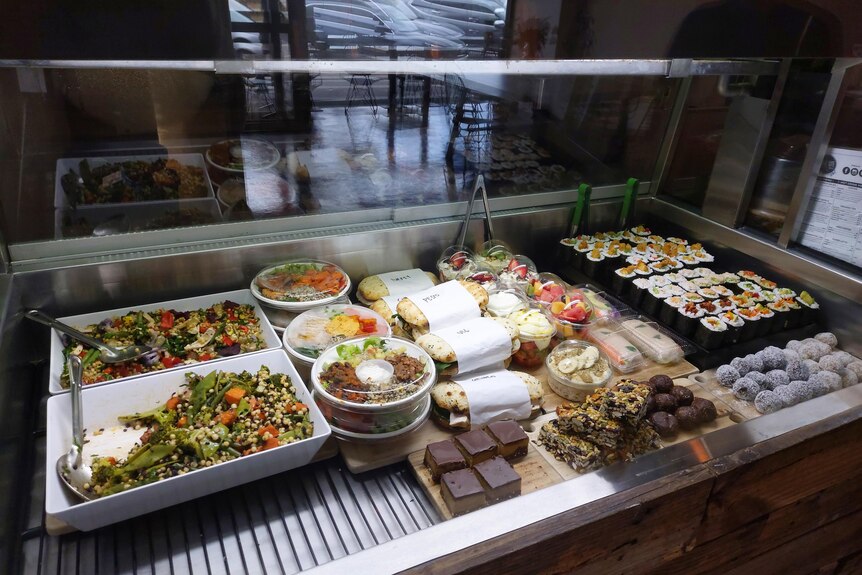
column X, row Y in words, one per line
column 832, row 223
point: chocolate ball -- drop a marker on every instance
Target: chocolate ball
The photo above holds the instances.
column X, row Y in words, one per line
column 664, row 423
column 662, row 383
column 687, row 417
column 650, row 404
column 683, row 395
column 665, row 402
column 705, row 409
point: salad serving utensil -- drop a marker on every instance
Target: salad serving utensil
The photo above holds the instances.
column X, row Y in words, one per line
column 107, row 353
column 74, row 473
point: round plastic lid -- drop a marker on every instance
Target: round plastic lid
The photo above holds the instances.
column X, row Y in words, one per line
column 313, row 331
column 270, row 275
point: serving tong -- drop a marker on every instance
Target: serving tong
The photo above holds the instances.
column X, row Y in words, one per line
column 479, row 184
column 107, row 353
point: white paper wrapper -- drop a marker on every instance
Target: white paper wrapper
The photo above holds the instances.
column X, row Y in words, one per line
column 495, row 395
column 446, row 304
column 405, row 282
column 392, row 301
column 478, row 343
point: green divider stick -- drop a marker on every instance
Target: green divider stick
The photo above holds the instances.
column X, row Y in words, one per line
column 627, row 212
column 581, row 218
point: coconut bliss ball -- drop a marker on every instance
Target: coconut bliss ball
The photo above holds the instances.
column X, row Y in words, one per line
column 848, row 378
column 796, row 370
column 727, row 375
column 746, row 389
column 767, row 402
column 775, row 378
column 828, row 338
column 741, row 365
column 754, row 362
column 772, row 358
column 831, row 363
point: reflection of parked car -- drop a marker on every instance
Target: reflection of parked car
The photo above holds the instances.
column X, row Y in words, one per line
column 245, row 43
column 475, row 18
column 387, row 22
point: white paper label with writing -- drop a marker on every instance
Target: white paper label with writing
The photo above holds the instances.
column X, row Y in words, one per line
column 406, row 281
column 446, row 304
column 477, row 343
column 494, row 396
column 392, row 301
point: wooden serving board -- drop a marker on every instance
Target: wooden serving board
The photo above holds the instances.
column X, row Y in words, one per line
column 725, row 419
column 681, row 368
column 533, row 468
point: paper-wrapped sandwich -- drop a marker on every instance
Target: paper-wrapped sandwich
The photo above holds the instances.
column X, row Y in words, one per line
column 376, row 287
column 472, row 345
column 447, row 304
column 451, row 408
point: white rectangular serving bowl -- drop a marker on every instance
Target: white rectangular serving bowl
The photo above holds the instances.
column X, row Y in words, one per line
column 243, row 296
column 66, row 164
column 102, row 407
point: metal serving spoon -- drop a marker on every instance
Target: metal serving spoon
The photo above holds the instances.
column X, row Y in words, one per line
column 107, row 353
column 70, row 466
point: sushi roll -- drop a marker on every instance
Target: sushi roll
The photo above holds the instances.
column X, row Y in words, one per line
column 621, row 279
column 766, row 284
column 708, row 307
column 794, row 313
column 781, row 310
column 751, row 319
column 688, row 286
column 639, row 286
column 692, row 297
column 748, row 285
column 579, row 253
column 594, row 263
column 653, row 298
column 721, row 290
column 741, row 301
column 734, row 325
column 613, row 260
column 767, row 318
column 755, row 296
column 674, row 277
column 707, row 293
column 667, row 312
column 731, row 280
column 688, row 274
column 687, row 318
column 768, row 296
column 702, row 282
column 676, row 290
column 662, row 266
column 784, row 292
column 703, row 256
column 688, row 260
column 810, row 308
column 710, row 332
column 659, row 280
column 725, row 304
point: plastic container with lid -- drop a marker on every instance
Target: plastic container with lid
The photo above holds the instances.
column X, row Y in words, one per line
column 546, row 288
column 301, row 284
column 657, row 343
column 373, row 386
column 504, row 302
column 456, row 262
column 611, row 338
column 518, row 273
column 576, row 369
column 536, row 332
column 313, row 331
column 495, row 255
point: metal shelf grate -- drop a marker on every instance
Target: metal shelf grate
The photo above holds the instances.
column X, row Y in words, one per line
column 283, row 524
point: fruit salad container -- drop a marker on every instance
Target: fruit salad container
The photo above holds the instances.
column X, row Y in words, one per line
column 519, row 273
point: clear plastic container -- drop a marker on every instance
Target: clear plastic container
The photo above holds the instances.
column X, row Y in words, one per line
column 358, row 390
column 456, row 262
column 546, row 288
column 536, row 333
column 657, row 343
column 611, row 338
column 484, row 277
column 297, row 285
column 315, row 330
column 576, row 369
column 518, row 273
column 495, row 255
column 571, row 314
column 504, row 302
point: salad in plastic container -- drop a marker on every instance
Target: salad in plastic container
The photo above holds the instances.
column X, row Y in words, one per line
column 518, row 273
column 546, row 288
column 456, row 262
column 300, row 284
column 373, row 385
column 495, row 255
column 315, row 330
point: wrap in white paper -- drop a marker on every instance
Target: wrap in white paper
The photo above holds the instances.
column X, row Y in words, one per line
column 392, row 301
column 405, row 282
column 494, row 396
column 478, row 343
column 446, row 304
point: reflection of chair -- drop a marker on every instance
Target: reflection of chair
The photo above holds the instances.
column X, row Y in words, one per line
column 258, row 95
column 471, row 115
column 361, row 92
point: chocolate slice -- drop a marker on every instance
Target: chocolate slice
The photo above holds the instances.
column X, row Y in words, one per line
column 511, row 439
column 499, row 479
column 442, row 457
column 462, row 491
column 476, row 446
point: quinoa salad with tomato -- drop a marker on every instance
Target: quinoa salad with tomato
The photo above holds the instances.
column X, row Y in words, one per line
column 179, row 337
column 218, row 417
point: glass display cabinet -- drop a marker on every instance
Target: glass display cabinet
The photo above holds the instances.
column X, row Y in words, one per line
column 161, row 151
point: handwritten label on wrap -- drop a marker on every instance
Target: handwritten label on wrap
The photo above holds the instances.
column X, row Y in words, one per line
column 494, row 396
column 446, row 304
column 406, row 281
column 478, row 343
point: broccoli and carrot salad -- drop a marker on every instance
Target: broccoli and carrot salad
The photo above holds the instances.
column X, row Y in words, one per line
column 217, row 418
column 179, row 337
